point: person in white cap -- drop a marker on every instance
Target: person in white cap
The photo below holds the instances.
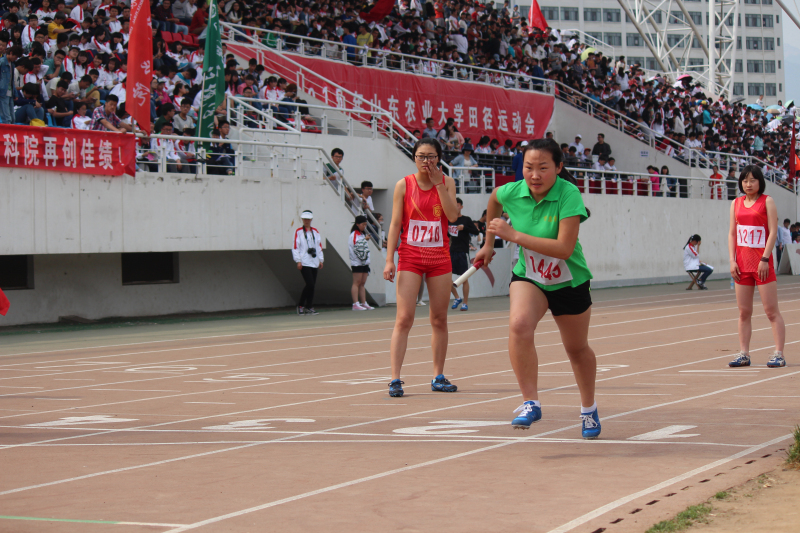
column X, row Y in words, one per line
column 578, row 144
column 307, row 253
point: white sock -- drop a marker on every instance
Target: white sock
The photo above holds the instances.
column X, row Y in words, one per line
column 536, row 403
column 587, row 410
column 779, row 354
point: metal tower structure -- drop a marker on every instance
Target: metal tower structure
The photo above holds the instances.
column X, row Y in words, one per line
column 670, row 33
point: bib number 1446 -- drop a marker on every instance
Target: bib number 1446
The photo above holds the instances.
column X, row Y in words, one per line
column 546, row 270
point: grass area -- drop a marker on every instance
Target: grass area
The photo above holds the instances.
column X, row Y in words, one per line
column 695, row 513
column 793, row 453
column 721, row 495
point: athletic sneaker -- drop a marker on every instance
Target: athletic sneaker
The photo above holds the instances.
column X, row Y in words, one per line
column 528, row 414
column 456, row 303
column 357, row 307
column 777, row 361
column 300, row 310
column 366, row 306
column 742, row 359
column 396, row 388
column 311, row 311
column 440, row 384
column 464, row 307
column 702, row 286
column 421, row 304
column 590, row 425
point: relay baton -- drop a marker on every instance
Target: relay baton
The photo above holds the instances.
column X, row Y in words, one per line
column 470, row 271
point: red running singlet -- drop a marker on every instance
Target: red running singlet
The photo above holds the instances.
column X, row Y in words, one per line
column 752, row 233
column 424, row 243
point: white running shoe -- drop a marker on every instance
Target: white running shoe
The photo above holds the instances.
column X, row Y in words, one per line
column 421, row 304
column 357, row 307
column 366, row 306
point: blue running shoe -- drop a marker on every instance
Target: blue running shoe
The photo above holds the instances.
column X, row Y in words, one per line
column 396, row 388
column 456, row 303
column 464, row 307
column 440, row 384
column 742, row 359
column 777, row 361
column 528, row 414
column 590, row 425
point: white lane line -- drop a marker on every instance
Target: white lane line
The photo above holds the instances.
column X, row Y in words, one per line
column 60, row 399
column 750, row 409
column 564, row 528
column 73, row 379
column 412, row 336
column 694, row 300
column 747, row 371
column 166, row 461
column 627, row 499
column 17, row 387
column 381, row 352
column 664, row 384
column 773, row 396
column 381, row 404
column 217, row 403
column 616, row 394
column 140, row 390
column 381, row 369
column 295, row 393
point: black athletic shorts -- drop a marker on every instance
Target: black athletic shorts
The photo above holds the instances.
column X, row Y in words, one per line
column 460, row 262
column 566, row 301
column 357, row 269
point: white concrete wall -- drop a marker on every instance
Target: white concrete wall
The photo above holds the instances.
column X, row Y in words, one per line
column 90, row 286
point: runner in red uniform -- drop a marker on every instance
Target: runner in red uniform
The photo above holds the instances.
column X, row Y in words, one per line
column 423, row 204
column 752, row 236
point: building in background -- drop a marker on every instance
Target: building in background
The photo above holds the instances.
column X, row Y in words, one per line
column 758, row 64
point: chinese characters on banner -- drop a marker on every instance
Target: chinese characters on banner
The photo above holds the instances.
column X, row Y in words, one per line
column 68, row 150
column 478, row 109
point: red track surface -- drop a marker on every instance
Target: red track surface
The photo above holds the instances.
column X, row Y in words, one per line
column 235, row 428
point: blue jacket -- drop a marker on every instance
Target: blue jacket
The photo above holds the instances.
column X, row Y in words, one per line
column 516, row 166
column 6, row 76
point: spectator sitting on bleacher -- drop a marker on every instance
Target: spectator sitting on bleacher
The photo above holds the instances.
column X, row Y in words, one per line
column 287, row 111
column 572, row 159
column 29, row 105
column 516, row 162
column 578, row 145
column 483, row 146
column 58, row 106
column 449, row 136
column 429, row 130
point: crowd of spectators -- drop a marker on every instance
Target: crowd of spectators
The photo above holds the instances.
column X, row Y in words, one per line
column 64, row 63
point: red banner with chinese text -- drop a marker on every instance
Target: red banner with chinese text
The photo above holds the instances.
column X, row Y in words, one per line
column 478, row 109
column 68, row 150
column 140, row 58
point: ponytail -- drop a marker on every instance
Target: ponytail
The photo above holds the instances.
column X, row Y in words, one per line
column 694, row 237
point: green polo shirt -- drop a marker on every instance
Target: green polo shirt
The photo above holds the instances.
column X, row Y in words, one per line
column 542, row 219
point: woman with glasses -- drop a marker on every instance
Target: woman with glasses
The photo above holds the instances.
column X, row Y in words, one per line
column 423, row 205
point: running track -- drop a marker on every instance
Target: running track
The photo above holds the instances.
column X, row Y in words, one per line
column 284, row 423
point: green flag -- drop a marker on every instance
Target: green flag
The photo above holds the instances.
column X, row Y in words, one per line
column 213, row 73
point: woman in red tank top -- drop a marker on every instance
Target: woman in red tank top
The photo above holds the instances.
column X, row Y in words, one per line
column 423, row 204
column 752, row 236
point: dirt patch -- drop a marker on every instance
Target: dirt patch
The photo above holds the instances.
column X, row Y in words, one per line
column 767, row 504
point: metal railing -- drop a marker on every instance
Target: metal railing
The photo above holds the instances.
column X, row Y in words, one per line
column 622, row 183
column 262, row 159
column 467, row 182
column 589, row 40
column 330, row 119
column 375, row 57
column 313, row 84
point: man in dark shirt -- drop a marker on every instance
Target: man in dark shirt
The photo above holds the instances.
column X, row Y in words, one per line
column 460, row 232
column 57, row 105
column 601, row 148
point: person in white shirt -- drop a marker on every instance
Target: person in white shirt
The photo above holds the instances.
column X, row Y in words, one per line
column 79, row 120
column 784, row 238
column 307, row 254
column 29, row 32
column 691, row 262
column 366, row 196
column 174, row 164
column 358, row 245
column 80, row 11
column 577, row 144
column 610, row 166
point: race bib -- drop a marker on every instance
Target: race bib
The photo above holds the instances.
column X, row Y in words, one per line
column 751, row 236
column 545, row 270
column 425, row 234
column 453, row 231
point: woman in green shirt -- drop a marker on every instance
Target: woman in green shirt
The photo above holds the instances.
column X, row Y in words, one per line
column 551, row 273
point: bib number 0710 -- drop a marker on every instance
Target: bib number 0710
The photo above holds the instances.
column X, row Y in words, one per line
column 425, row 234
